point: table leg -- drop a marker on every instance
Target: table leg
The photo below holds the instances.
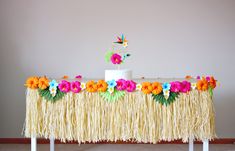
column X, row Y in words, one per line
column 190, row 144
column 205, row 145
column 33, row 143
column 52, row 144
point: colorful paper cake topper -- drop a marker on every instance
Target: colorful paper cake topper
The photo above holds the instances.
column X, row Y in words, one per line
column 118, row 56
column 122, row 40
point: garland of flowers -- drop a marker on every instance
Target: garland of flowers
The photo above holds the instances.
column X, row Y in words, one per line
column 164, row 93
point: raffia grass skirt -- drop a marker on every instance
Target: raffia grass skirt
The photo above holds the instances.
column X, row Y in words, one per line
column 87, row 117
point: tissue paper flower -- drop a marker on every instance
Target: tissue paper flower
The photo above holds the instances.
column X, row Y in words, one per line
column 91, row 86
column 111, row 90
column 208, row 78
column 193, row 86
column 185, row 86
column 125, row 44
column 53, row 83
column 32, row 82
column 188, row 77
column 116, row 59
column 43, row 83
column 157, row 88
column 212, row 82
column 138, row 87
column 102, row 86
column 53, row 91
column 83, row 86
column 76, row 87
column 166, row 86
column 78, row 77
column 112, row 83
column 65, row 77
column 166, row 93
column 202, row 84
column 53, row 87
column 64, row 86
column 146, row 87
column 121, row 84
column 175, row 86
column 130, row 86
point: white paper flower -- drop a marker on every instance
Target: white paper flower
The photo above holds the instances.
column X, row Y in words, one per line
column 138, row 87
column 193, row 86
column 125, row 44
column 83, row 86
column 166, row 93
column 111, row 90
column 53, row 91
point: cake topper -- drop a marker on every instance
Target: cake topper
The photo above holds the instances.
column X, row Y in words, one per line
column 118, row 55
column 122, row 41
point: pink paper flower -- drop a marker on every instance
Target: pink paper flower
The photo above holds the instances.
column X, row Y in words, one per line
column 116, row 59
column 121, row 84
column 185, row 86
column 78, row 77
column 175, row 86
column 208, row 78
column 76, row 87
column 64, row 86
column 130, row 86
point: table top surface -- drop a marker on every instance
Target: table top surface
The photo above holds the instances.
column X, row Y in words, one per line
column 161, row 80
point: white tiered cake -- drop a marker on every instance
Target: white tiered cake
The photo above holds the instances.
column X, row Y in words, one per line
column 118, row 74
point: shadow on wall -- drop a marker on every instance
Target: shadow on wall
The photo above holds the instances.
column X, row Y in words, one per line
column 12, row 98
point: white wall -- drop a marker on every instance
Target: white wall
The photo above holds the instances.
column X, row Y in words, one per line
column 70, row 37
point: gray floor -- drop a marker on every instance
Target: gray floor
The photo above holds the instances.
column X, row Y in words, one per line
column 115, row 147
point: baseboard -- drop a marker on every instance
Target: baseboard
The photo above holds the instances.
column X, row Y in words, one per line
column 46, row 141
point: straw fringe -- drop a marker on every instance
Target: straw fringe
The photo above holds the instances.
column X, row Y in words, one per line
column 135, row 117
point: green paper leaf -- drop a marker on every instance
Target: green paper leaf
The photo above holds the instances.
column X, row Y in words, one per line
column 108, row 56
column 114, row 96
column 210, row 91
column 161, row 98
column 47, row 95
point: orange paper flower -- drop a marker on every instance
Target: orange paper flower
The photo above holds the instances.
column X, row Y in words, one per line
column 91, row 86
column 43, row 83
column 65, row 77
column 102, row 86
column 188, row 77
column 212, row 82
column 157, row 88
column 202, row 84
column 146, row 87
column 32, row 82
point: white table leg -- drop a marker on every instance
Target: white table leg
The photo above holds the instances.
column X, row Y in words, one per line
column 190, row 147
column 52, row 144
column 33, row 143
column 205, row 145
